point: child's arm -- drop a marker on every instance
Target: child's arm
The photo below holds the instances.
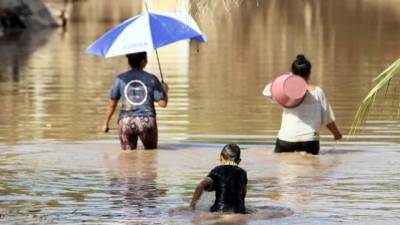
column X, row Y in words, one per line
column 199, row 191
column 334, row 130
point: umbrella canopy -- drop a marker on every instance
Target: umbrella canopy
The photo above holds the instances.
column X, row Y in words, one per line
column 146, row 32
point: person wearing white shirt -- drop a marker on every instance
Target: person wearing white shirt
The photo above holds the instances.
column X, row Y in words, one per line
column 300, row 126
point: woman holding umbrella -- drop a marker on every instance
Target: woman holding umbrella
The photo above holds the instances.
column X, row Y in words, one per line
column 137, row 90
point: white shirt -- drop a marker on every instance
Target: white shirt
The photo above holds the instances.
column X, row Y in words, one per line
column 303, row 122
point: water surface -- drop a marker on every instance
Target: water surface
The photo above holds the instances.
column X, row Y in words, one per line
column 56, row 167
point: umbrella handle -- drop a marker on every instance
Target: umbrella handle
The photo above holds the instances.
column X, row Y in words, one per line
column 159, row 66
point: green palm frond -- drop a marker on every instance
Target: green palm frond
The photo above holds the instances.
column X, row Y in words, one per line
column 382, row 81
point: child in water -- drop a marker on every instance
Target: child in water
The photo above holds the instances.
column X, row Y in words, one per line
column 229, row 182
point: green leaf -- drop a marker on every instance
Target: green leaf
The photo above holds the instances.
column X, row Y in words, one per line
column 382, row 80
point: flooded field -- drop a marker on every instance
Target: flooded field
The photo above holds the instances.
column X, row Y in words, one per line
column 57, row 168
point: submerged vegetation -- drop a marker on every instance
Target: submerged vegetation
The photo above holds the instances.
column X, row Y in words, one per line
column 383, row 83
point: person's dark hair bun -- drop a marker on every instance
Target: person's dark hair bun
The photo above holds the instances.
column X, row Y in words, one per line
column 301, row 66
column 301, row 59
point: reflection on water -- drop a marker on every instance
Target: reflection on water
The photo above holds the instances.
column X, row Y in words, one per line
column 47, row 84
column 51, row 92
column 98, row 184
column 136, row 178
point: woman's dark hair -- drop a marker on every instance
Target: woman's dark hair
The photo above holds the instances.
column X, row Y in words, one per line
column 135, row 59
column 301, row 66
column 231, row 152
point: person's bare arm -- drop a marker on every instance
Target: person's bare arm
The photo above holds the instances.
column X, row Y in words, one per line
column 164, row 101
column 112, row 104
column 334, row 130
column 199, row 191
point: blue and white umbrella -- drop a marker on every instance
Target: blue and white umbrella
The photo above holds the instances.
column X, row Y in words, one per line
column 146, row 32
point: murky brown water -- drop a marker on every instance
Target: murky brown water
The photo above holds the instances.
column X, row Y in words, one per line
column 56, row 168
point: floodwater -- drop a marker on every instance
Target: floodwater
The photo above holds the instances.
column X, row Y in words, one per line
column 57, row 168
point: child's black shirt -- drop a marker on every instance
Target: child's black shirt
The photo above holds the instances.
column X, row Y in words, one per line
column 229, row 184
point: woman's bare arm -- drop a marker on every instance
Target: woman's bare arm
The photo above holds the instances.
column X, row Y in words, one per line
column 112, row 104
column 334, row 130
column 164, row 102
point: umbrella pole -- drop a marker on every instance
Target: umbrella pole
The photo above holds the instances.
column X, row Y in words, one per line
column 159, row 66
column 158, row 59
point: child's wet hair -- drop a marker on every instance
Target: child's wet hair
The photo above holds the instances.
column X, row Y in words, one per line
column 231, row 152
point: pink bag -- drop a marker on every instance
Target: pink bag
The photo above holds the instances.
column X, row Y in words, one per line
column 288, row 90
